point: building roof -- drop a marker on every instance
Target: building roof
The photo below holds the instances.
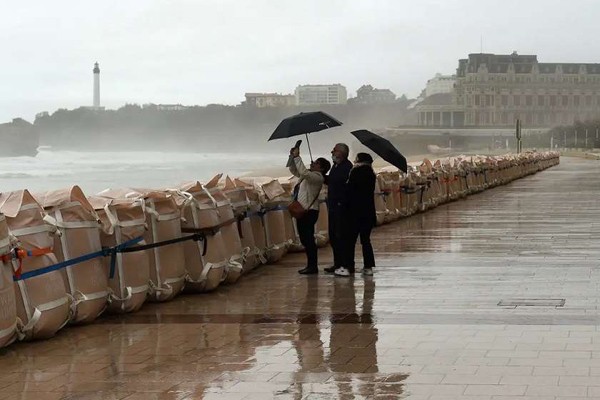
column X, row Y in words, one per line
column 523, row 64
column 438, row 99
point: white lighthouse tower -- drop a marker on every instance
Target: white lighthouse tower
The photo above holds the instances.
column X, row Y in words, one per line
column 96, row 86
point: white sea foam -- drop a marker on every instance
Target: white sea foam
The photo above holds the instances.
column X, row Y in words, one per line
column 94, row 171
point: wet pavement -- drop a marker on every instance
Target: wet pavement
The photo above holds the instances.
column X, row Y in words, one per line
column 491, row 297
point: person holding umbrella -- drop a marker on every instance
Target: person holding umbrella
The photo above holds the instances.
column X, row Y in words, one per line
column 337, row 209
column 307, row 194
column 361, row 216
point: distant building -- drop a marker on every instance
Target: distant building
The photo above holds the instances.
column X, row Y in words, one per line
column 321, row 94
column 170, row 107
column 366, row 94
column 494, row 90
column 264, row 100
column 440, row 84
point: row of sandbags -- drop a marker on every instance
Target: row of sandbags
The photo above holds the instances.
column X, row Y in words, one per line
column 429, row 184
column 120, row 248
column 72, row 257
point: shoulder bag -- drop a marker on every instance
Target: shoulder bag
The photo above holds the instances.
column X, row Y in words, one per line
column 296, row 209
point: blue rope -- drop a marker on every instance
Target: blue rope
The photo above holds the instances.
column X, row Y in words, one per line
column 110, row 251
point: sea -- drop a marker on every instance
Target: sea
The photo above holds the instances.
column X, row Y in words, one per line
column 96, row 171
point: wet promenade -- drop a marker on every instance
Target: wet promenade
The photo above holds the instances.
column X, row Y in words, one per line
column 492, row 297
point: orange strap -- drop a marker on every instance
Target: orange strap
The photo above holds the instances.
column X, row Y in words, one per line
column 20, row 254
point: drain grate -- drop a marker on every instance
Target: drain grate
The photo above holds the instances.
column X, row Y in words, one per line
column 532, row 303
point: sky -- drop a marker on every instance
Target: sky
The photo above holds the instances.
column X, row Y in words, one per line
column 198, row 52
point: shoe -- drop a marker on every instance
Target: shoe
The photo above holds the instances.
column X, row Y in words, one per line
column 308, row 271
column 342, row 271
column 330, row 270
column 367, row 271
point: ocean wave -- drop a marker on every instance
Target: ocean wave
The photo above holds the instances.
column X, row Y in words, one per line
column 33, row 174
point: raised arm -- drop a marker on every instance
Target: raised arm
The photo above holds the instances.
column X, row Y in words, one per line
column 292, row 166
column 303, row 173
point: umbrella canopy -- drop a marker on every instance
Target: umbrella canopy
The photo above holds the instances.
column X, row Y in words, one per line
column 382, row 147
column 304, row 123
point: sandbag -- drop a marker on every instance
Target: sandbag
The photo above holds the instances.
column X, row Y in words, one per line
column 381, row 210
column 229, row 230
column 8, row 307
column 205, row 261
column 122, row 221
column 386, row 187
column 241, row 207
column 322, row 225
column 256, row 217
column 78, row 234
column 290, row 227
column 275, row 204
column 42, row 301
column 163, row 218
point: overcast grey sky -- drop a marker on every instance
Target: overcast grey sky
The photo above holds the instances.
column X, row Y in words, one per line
column 213, row 51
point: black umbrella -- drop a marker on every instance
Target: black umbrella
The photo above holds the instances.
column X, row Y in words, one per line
column 303, row 124
column 382, row 147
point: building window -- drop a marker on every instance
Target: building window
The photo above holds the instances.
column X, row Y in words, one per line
column 576, row 101
column 529, row 100
column 540, row 100
column 517, row 100
column 552, row 101
column 504, row 100
column 565, row 100
column 477, row 103
column 588, row 100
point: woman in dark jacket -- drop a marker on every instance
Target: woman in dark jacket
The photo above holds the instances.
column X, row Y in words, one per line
column 361, row 214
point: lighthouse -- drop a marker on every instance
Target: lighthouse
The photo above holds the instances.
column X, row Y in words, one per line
column 96, row 86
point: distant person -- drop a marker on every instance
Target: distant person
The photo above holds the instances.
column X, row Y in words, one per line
column 307, row 193
column 361, row 215
column 337, row 202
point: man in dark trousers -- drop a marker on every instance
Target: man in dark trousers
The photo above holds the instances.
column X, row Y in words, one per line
column 361, row 215
column 337, row 202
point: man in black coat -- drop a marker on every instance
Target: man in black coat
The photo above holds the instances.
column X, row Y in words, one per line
column 337, row 202
column 361, row 216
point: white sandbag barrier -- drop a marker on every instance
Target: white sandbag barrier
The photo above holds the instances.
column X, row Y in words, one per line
column 291, row 229
column 275, row 202
column 167, row 260
column 41, row 296
column 123, row 222
column 205, row 260
column 322, row 226
column 229, row 229
column 8, row 307
column 256, row 217
column 77, row 233
column 430, row 184
column 242, row 207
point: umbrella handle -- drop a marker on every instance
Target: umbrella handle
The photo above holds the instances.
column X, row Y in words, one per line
column 308, row 143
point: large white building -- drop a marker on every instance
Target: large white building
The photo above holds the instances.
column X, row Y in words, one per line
column 440, row 84
column 265, row 100
column 321, row 94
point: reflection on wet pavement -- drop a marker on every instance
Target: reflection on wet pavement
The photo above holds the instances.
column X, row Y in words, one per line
column 465, row 303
